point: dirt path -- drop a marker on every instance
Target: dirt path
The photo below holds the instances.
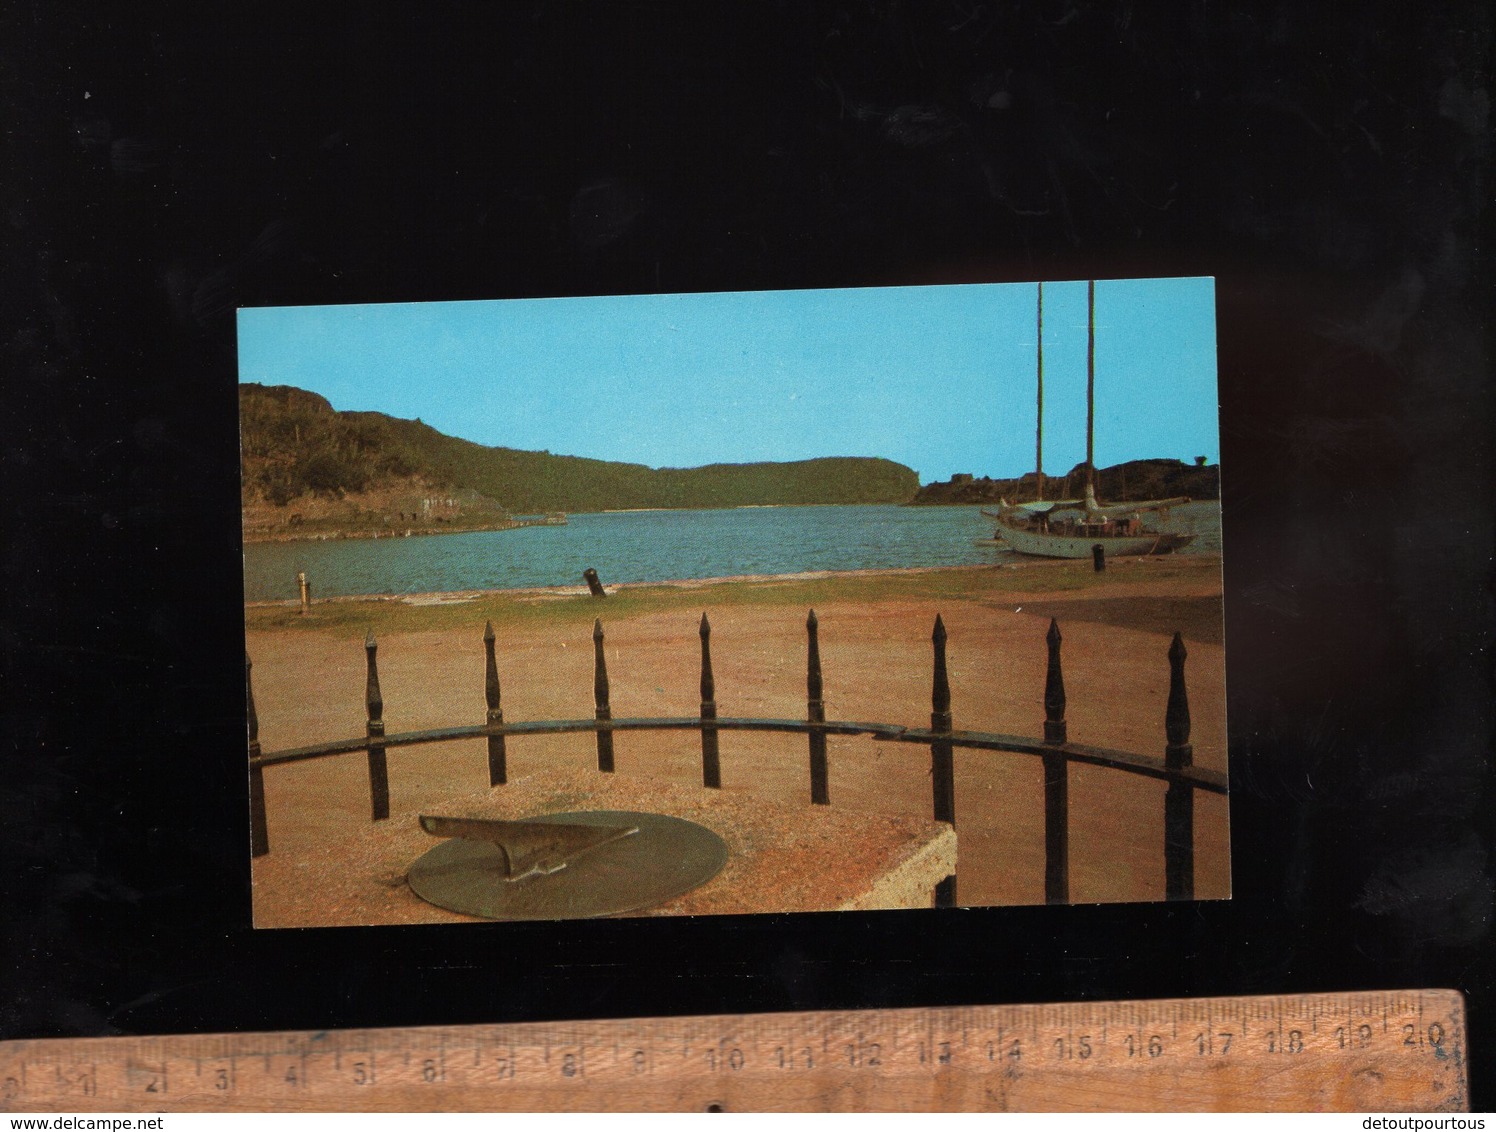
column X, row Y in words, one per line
column 876, row 659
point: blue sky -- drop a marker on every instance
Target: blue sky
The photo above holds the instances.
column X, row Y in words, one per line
column 939, row 378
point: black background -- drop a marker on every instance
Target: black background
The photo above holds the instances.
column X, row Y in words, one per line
column 164, row 167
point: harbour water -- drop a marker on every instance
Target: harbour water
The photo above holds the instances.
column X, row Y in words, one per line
column 653, row 546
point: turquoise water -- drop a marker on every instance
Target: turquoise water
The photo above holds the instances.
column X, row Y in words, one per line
column 650, row 546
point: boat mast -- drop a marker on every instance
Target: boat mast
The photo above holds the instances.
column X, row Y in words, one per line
column 1039, row 430
column 1091, row 385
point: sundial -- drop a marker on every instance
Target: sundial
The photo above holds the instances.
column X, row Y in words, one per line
column 563, row 866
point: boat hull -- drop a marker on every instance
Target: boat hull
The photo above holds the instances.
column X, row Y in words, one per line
column 1042, row 544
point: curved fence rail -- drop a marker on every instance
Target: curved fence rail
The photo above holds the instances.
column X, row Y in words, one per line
column 1176, row 766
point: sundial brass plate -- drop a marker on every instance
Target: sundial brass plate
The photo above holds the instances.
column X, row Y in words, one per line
column 666, row 858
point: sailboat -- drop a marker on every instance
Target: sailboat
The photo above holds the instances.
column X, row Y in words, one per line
column 1073, row 528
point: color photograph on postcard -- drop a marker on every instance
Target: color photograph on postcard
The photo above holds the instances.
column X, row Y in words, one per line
column 713, row 604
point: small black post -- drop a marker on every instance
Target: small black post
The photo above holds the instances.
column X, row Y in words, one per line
column 942, row 765
column 589, row 575
column 1098, row 557
column 1056, row 779
column 379, row 772
column 600, row 696
column 815, row 708
column 259, row 830
column 1179, row 801
column 498, row 770
column 711, row 761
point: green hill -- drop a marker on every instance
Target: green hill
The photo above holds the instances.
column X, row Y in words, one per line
column 297, row 450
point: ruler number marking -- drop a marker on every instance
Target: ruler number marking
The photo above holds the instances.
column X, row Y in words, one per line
column 794, row 1059
column 1012, row 1052
column 1067, row 1048
column 1278, row 1042
column 1433, row 1036
column 724, row 1057
column 863, row 1054
column 942, row 1053
column 1359, row 1038
column 1137, row 1047
column 1205, row 1042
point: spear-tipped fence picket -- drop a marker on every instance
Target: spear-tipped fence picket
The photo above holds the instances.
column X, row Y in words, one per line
column 1055, row 751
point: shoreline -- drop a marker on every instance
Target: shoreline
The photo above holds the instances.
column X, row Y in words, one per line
column 435, row 597
column 343, row 533
column 453, row 597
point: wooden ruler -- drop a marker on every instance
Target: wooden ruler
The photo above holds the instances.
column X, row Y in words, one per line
column 1379, row 1052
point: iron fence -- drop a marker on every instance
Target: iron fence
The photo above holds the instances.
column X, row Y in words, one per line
column 1056, row 752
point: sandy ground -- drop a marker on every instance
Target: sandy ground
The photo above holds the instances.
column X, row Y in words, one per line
column 793, row 858
column 309, row 687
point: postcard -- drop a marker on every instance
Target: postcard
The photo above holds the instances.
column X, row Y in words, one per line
column 709, row 604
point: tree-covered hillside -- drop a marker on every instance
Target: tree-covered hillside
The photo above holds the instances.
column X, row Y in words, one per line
column 1120, row 483
column 295, row 445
